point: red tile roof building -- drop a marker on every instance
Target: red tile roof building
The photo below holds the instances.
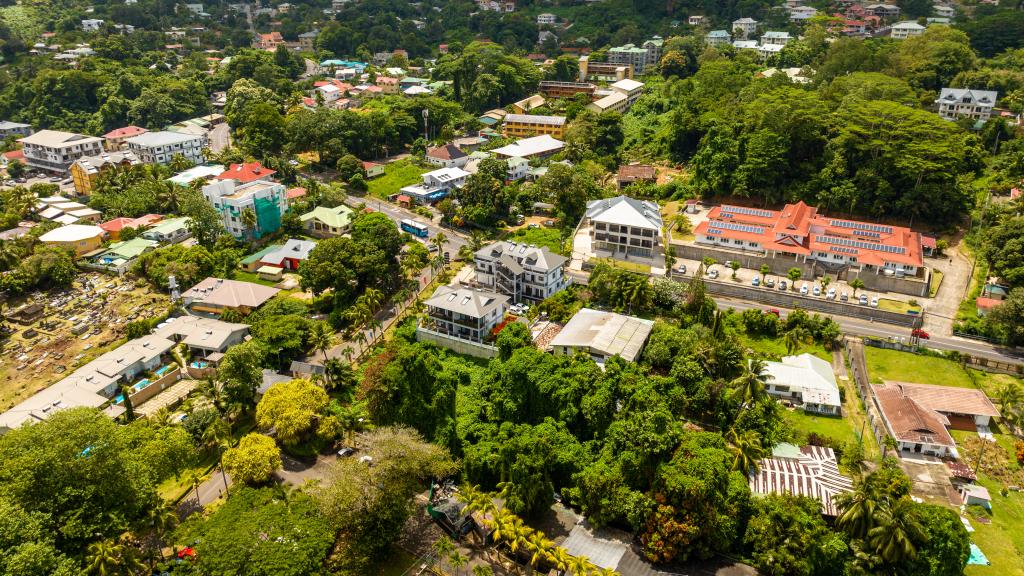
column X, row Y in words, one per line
column 245, row 173
column 269, row 41
column 114, row 227
column 915, row 427
column 115, row 138
column 799, row 232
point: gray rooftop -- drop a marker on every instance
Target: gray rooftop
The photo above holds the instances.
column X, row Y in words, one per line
column 537, row 257
column 161, row 138
column 957, row 95
column 627, row 211
column 472, row 303
column 535, row 119
column 607, row 333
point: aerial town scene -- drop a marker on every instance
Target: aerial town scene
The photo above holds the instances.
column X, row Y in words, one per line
column 507, row 287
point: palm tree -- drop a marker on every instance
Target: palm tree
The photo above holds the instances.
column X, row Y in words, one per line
column 482, row 570
column 458, row 561
column 540, row 548
column 794, row 338
column 898, row 526
column 561, row 559
column 374, row 325
column 1009, row 397
column 750, row 386
column 360, row 339
column 322, row 338
column 580, row 566
column 249, row 220
column 126, row 398
column 746, row 450
column 213, row 392
column 825, row 281
column 439, row 241
column 856, row 284
column 765, row 269
column 373, row 299
column 105, row 557
column 347, row 351
column 218, row 436
column 443, row 546
column 857, row 510
column 10, row 255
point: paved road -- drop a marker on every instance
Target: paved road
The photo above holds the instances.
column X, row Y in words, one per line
column 857, row 327
column 456, row 240
column 220, row 137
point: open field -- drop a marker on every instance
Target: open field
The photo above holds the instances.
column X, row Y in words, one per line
column 835, row 428
column 898, row 306
column 907, row 367
column 775, row 348
column 396, row 175
column 45, row 350
column 550, row 237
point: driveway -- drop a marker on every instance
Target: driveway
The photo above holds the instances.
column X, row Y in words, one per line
column 956, row 270
column 220, row 137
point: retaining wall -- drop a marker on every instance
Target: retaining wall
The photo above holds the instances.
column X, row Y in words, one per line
column 156, row 386
column 456, row 345
column 789, row 299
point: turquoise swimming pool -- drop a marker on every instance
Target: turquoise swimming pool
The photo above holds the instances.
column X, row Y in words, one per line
column 163, row 370
column 135, row 388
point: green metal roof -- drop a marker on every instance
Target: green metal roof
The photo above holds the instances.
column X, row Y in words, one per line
column 337, row 217
column 259, row 255
column 128, row 249
column 169, row 226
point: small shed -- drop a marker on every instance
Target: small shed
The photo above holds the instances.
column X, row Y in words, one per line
column 270, row 273
column 974, row 494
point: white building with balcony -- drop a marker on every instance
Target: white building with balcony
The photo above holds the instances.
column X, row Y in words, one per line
column 56, row 151
column 524, row 272
column 161, row 147
column 624, row 226
column 464, row 313
column 955, row 103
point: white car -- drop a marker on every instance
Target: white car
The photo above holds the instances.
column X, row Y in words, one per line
column 863, row 300
column 713, row 274
column 804, row 289
column 874, row 302
column 817, row 290
column 831, row 295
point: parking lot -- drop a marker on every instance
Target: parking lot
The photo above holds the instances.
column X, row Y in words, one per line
column 65, row 183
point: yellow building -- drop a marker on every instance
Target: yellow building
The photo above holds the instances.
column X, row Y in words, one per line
column 87, row 169
column 80, row 238
column 525, row 125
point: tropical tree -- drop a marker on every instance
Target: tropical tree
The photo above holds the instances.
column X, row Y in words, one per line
column 794, row 274
column 794, row 338
column 856, row 284
column 765, row 269
column 107, row 557
column 249, row 220
column 825, row 281
column 321, row 337
column 857, row 509
column 438, row 241
column 735, row 265
column 749, row 386
column 746, row 450
column 458, row 561
column 897, row 528
column 539, row 547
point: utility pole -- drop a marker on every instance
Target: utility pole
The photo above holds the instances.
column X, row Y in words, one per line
column 981, row 454
column 426, row 120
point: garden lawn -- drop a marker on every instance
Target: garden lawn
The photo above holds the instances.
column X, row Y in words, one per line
column 1002, row 541
column 244, row 276
column 775, row 348
column 840, row 429
column 989, row 382
column 898, row 306
column 908, row 367
column 396, row 175
column 550, row 237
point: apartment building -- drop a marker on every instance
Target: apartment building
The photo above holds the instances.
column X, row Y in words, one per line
column 883, row 10
column 55, row 151
column 115, row 138
column 546, row 19
column 632, row 89
column 161, row 147
column 14, row 129
column 267, row 200
column 955, row 103
column 624, row 226
column 86, row 171
column 525, row 125
column 523, row 272
column 642, row 57
column 556, row 89
column 717, row 38
column 906, row 29
column 773, row 38
column 603, row 71
column 464, row 313
column 745, row 27
column 614, row 102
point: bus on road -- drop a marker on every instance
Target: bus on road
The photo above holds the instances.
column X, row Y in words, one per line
column 415, row 228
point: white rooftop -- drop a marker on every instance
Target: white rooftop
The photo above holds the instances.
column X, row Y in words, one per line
column 58, row 139
column 606, row 333
column 527, row 147
column 161, row 138
column 809, row 374
column 72, row 233
column 625, row 211
column 628, row 84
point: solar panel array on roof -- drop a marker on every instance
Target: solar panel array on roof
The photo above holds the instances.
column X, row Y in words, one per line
column 747, row 211
column 840, row 241
column 861, row 226
column 738, row 227
column 843, row 249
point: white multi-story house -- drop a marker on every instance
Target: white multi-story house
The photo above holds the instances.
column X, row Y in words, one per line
column 518, row 168
column 436, row 185
column 957, row 103
column 55, row 151
column 744, row 27
column 92, row 25
column 717, row 38
column 906, row 29
column 161, row 147
column 944, row 11
column 801, row 13
column 883, row 10
column 523, row 271
column 624, row 226
column 695, row 20
column 447, row 156
column 775, row 38
column 464, row 313
column 546, row 19
column 640, row 57
column 266, row 199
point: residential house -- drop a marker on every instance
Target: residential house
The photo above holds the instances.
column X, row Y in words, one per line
column 695, row 20
column 772, row 37
column 624, row 226
column 883, row 10
column 503, row 6
column 388, row 84
column 800, row 14
column 307, row 40
column 119, row 256
column 603, row 71
column 290, row 255
column 115, row 138
column 631, row 88
column 14, row 129
column 161, row 147
column 916, row 428
column 86, row 171
column 55, row 151
column 806, row 380
column 269, row 41
column 436, row 185
column 525, row 125
column 525, row 273
column 170, row 231
column 799, row 233
column 215, row 295
column 766, row 51
column 535, row 147
column 464, row 313
column 975, row 495
column 518, row 168
column 266, row 200
column 745, row 27
column 614, row 102
column 906, row 29
column 944, row 11
column 323, row 222
column 373, row 169
column 546, row 19
column 955, row 103
column 92, row 25
column 603, row 335
column 717, row 38
column 80, row 238
column 204, row 172
column 10, row 156
column 114, row 227
column 246, row 173
column 556, row 89
column 630, row 173
column 809, row 471
column 205, row 338
column 529, row 103
column 965, row 408
column 447, row 156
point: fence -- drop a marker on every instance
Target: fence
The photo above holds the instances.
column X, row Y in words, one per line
column 456, row 345
column 155, row 387
column 794, row 300
column 985, row 364
column 859, row 370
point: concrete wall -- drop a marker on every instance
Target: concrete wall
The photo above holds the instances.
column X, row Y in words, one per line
column 781, row 265
column 156, row 386
column 455, row 344
column 790, row 299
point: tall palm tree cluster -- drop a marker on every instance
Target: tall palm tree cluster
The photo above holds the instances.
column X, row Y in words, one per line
column 135, row 551
column 362, row 316
column 883, row 526
column 522, row 544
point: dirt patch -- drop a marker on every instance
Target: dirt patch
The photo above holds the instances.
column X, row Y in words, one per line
column 931, row 481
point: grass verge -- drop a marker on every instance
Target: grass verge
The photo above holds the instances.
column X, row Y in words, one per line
column 936, row 282
column 396, row 175
column 908, row 367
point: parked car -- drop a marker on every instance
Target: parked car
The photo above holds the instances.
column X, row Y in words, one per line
column 549, row 223
column 728, row 264
column 756, row 281
column 346, row 451
column 804, row 289
column 831, row 295
column 769, row 282
column 55, row 178
column 681, row 269
column 863, row 300
column 783, row 285
column 817, row 290
column 874, row 302
column 533, row 226
column 774, row 312
column 713, row 274
column 918, row 333
column 844, row 297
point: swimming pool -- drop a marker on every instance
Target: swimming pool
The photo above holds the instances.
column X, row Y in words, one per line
column 135, row 388
column 163, row 370
column 199, row 364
